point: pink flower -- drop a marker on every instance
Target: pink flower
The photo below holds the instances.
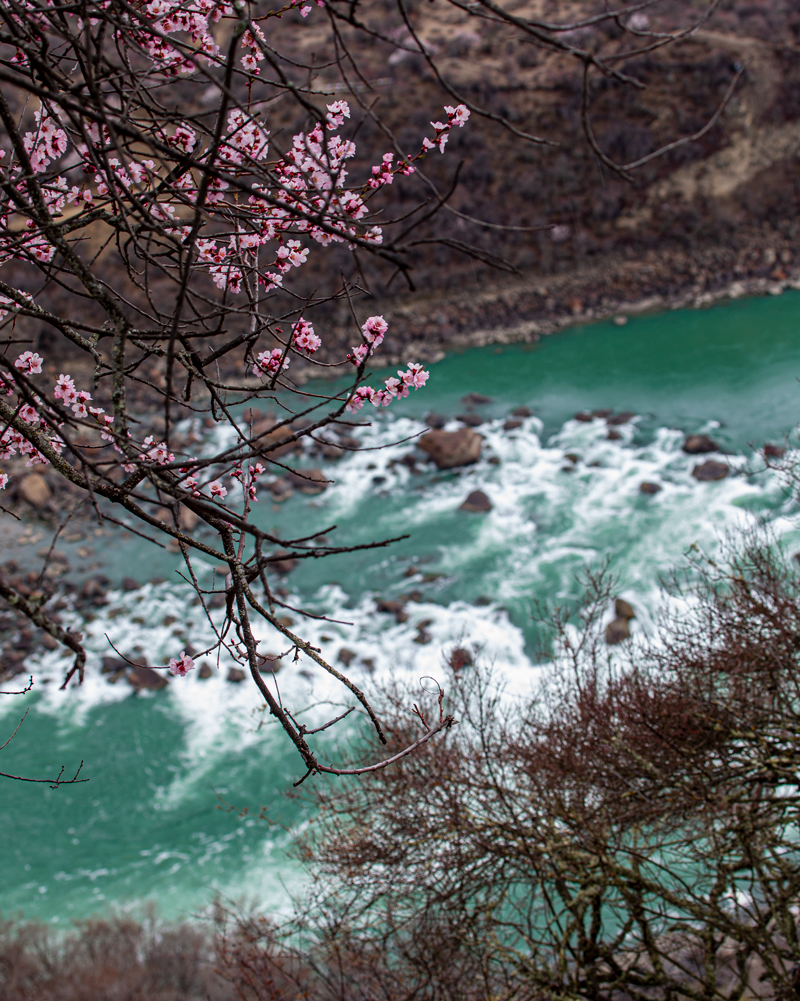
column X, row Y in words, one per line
column 416, row 376
column 374, row 329
column 217, row 489
column 305, row 11
column 458, row 115
column 337, row 112
column 269, row 362
column 29, row 362
column 304, row 337
column 182, row 665
column 3, row 481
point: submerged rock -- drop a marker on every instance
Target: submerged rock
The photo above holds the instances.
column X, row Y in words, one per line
column 649, row 488
column 145, row 678
column 471, row 420
column 621, row 418
column 522, row 412
column 449, row 449
column 697, row 444
column 477, row 502
column 475, row 399
column 618, row 630
column 710, row 470
column 583, row 416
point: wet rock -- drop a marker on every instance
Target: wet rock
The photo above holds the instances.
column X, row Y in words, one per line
column 583, row 416
column 204, row 671
column 572, row 457
column 623, row 610
column 522, row 412
column 774, row 451
column 697, row 444
column 460, row 658
column 346, row 656
column 394, row 608
column 471, row 420
column 475, row 399
column 281, row 489
column 112, row 665
column 308, row 481
column 613, row 435
column 620, row 321
column 512, row 424
column 477, row 502
column 285, row 563
column 710, row 470
column 236, row 675
column 602, row 413
column 34, row 489
column 93, row 591
column 649, row 488
column 330, row 452
column 129, row 584
column 621, row 418
column 617, row 630
column 187, row 519
column 450, row 449
column 145, row 678
column 423, row 637
column 435, row 421
column 267, row 443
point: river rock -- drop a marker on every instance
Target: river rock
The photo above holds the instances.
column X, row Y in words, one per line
column 477, row 502
column 522, row 412
column 394, row 608
column 649, row 488
column 34, row 489
column 583, row 416
column 308, row 481
column 145, row 678
column 623, row 610
column 512, row 424
column 698, row 444
column 187, row 519
column 710, row 470
column 284, row 564
column 617, row 630
column 268, row 439
column 471, row 420
column 236, row 675
column 613, row 435
column 774, row 451
column 449, row 449
column 621, row 418
column 435, row 421
column 475, row 399
column 346, row 656
column 459, row 658
column 204, row 671
column 281, row 489
column 129, row 584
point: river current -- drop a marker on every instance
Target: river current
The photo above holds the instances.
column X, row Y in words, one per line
column 170, row 770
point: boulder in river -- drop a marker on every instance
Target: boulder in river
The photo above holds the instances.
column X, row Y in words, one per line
column 623, row 610
column 394, row 608
column 583, row 416
column 346, row 656
column 710, row 470
column 435, row 421
column 267, row 442
column 34, row 489
column 145, row 678
column 285, row 562
column 308, row 481
column 512, row 424
column 460, row 657
column 477, row 502
column 649, row 488
column 236, row 675
column 204, row 672
column 449, row 449
column 698, row 444
column 621, row 418
column 774, row 451
column 522, row 412
column 471, row 420
column 475, row 399
column 617, row 630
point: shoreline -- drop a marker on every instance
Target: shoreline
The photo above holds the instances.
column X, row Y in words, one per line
column 525, row 308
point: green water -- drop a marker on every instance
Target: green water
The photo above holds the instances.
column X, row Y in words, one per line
column 155, row 820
